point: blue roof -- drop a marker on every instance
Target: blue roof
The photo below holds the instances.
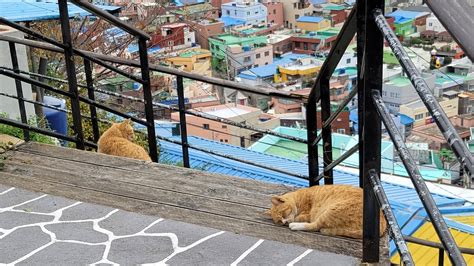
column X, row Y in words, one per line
column 404, row 201
column 406, row 120
column 133, row 48
column 187, row 2
column 406, row 14
column 270, row 69
column 23, row 10
column 310, row 19
column 229, row 21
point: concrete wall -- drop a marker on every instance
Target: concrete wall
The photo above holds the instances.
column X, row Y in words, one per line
column 313, row 26
column 421, row 114
column 9, row 105
column 275, row 13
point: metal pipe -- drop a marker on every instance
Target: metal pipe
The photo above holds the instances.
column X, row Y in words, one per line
column 182, row 122
column 326, row 132
column 339, row 160
column 150, row 118
column 369, row 76
column 424, row 242
column 430, row 206
column 170, row 107
column 19, row 90
column 112, row 19
column 337, row 51
column 447, row 129
column 394, row 228
column 71, row 73
column 341, row 107
column 166, row 70
column 91, row 95
column 67, row 94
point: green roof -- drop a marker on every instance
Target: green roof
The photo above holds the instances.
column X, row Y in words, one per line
column 389, row 58
column 192, row 53
column 399, row 81
column 334, row 7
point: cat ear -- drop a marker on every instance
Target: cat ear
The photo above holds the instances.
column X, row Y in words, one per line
column 128, row 121
column 277, row 200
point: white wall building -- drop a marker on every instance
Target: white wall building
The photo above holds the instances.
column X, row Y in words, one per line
column 433, row 23
column 10, row 105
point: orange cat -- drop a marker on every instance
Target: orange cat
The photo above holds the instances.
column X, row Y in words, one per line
column 332, row 210
column 117, row 140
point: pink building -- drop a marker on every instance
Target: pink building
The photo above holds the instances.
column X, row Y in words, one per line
column 275, row 13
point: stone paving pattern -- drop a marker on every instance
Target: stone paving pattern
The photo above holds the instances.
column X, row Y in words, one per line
column 43, row 229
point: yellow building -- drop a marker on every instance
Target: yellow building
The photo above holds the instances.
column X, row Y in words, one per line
column 423, row 255
column 303, row 67
column 193, row 60
column 309, row 23
column 418, row 111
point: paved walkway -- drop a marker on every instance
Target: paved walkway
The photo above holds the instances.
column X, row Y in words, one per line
column 42, row 229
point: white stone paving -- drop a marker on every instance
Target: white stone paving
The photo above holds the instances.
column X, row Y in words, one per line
column 74, row 233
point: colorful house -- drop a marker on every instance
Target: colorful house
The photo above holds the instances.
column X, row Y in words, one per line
column 309, row 23
column 218, row 46
column 195, row 60
column 249, row 12
column 406, row 22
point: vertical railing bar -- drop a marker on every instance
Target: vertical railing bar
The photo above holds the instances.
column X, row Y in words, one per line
column 369, row 72
column 182, row 121
column 19, row 90
column 146, row 82
column 447, row 129
column 71, row 73
column 441, row 257
column 91, row 95
column 420, row 186
column 393, row 226
column 312, row 128
column 326, row 132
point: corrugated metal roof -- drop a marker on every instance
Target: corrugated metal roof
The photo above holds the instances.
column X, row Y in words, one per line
column 20, row 11
column 407, row 14
column 400, row 196
column 423, row 255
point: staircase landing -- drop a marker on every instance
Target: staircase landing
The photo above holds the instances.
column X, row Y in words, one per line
column 96, row 208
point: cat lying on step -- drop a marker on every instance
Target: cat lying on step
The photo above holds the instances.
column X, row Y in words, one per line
column 117, row 140
column 334, row 210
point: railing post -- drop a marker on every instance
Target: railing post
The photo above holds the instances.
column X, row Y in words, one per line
column 312, row 129
column 369, row 64
column 71, row 73
column 91, row 95
column 326, row 130
column 19, row 90
column 146, row 82
column 182, row 121
column 441, row 257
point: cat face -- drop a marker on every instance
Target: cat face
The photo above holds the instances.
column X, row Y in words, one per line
column 282, row 210
column 126, row 129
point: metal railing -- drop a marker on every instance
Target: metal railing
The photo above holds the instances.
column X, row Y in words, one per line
column 365, row 19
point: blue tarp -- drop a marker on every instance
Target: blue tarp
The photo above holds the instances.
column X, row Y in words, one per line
column 22, row 10
column 310, row 19
column 229, row 21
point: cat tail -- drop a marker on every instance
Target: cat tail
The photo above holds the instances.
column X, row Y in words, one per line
column 341, row 232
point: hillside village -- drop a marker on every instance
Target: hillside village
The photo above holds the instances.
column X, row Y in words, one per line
column 276, row 46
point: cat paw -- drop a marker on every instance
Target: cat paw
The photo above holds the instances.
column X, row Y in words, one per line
column 298, row 226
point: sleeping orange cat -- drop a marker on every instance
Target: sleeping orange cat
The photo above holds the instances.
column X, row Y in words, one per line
column 117, row 140
column 334, row 210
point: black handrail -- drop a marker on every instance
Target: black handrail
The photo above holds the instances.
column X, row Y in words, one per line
column 447, row 129
column 426, row 198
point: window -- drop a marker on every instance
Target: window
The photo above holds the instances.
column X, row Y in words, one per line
column 257, row 56
column 248, row 13
column 341, row 131
column 348, row 61
column 274, row 11
column 256, row 12
column 205, row 126
column 297, row 16
column 226, row 140
column 294, row 5
column 247, row 59
column 221, row 140
column 418, row 117
column 189, row 39
column 255, row 65
column 224, row 126
column 430, row 24
column 228, row 12
column 305, row 45
column 297, row 45
column 267, row 53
